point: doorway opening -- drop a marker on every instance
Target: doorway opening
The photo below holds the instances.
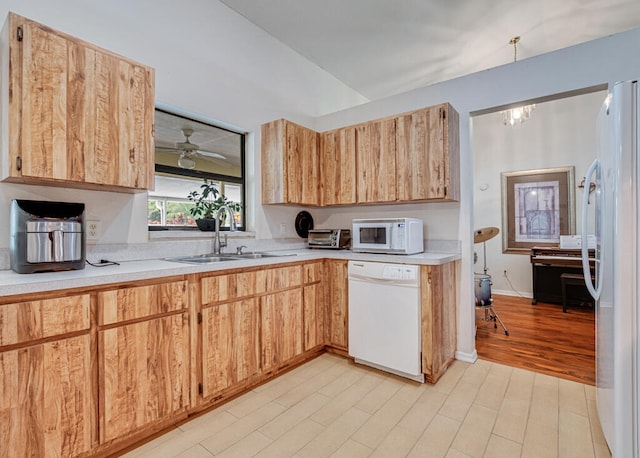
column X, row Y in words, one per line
column 560, row 133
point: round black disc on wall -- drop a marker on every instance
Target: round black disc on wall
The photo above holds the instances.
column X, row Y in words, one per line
column 304, row 222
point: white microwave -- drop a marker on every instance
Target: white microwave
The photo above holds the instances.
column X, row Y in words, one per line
column 387, row 235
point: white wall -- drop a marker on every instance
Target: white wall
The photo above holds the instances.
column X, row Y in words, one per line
column 559, row 133
column 209, row 61
column 238, row 74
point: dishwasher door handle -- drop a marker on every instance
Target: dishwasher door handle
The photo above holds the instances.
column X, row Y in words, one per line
column 385, row 281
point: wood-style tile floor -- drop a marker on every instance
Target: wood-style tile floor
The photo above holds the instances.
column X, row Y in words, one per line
column 541, row 338
column 333, row 407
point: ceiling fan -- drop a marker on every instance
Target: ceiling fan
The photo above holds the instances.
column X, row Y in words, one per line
column 188, row 151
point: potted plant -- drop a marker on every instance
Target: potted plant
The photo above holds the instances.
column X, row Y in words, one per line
column 207, row 203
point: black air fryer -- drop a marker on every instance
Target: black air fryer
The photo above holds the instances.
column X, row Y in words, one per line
column 46, row 236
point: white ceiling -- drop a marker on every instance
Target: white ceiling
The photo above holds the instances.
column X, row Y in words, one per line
column 385, row 47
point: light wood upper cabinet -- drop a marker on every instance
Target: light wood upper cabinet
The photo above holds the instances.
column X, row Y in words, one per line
column 438, row 298
column 409, row 157
column 338, row 163
column 143, row 357
column 427, row 143
column 290, row 164
column 76, row 115
column 376, row 161
column 46, row 395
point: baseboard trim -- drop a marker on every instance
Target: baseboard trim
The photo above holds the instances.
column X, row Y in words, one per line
column 512, row 293
column 467, row 357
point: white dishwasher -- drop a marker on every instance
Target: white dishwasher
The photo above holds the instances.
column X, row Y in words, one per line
column 384, row 317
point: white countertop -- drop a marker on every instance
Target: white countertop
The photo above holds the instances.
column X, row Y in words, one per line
column 12, row 283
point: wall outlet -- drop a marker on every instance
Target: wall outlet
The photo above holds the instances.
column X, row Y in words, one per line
column 94, row 229
column 283, row 229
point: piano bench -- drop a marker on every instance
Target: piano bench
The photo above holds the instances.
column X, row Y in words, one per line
column 573, row 280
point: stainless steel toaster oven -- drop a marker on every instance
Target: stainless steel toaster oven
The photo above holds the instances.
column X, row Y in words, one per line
column 329, row 238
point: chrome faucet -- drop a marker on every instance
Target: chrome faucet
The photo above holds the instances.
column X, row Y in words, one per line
column 217, row 245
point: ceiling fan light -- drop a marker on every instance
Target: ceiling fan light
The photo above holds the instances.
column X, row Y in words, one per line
column 186, row 162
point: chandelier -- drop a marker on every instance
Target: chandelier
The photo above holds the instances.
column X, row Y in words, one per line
column 516, row 115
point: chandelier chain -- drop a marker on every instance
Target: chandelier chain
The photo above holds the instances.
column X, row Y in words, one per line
column 514, row 41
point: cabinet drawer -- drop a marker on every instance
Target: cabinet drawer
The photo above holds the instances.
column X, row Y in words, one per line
column 141, row 301
column 270, row 280
column 222, row 288
column 26, row 321
column 313, row 272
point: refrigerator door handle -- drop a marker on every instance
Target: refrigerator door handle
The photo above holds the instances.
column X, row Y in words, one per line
column 596, row 289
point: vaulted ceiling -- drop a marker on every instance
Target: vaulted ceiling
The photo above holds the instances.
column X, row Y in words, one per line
column 385, row 47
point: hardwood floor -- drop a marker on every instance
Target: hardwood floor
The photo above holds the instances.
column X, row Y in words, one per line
column 541, row 338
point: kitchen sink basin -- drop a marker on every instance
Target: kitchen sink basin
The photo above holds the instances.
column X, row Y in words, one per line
column 206, row 259
column 257, row 255
column 212, row 258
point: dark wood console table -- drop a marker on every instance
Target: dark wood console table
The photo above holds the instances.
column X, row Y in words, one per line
column 548, row 264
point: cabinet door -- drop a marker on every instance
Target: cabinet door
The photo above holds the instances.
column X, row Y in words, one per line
column 376, row 161
column 46, row 399
column 79, row 113
column 273, row 162
column 290, row 164
column 144, row 370
column 230, row 345
column 438, row 298
column 303, row 171
column 314, row 316
column 428, row 151
column 338, row 162
column 315, row 310
column 337, row 304
column 281, row 327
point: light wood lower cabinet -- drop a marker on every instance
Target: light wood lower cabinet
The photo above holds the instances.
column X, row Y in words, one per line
column 315, row 306
column 143, row 364
column 338, row 304
column 46, row 398
column 439, row 302
column 281, row 328
column 231, row 344
column 251, row 323
column 73, row 385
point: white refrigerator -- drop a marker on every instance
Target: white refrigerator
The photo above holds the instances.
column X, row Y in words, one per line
column 614, row 205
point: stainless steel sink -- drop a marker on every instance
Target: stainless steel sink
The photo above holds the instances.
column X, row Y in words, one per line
column 257, row 255
column 201, row 259
column 212, row 258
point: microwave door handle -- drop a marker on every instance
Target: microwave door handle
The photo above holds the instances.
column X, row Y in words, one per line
column 57, row 245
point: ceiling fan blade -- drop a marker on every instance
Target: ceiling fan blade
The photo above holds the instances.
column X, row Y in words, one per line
column 167, row 148
column 211, row 154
